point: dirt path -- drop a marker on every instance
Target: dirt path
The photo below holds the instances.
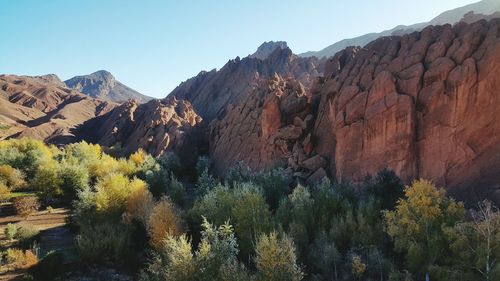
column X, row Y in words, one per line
column 54, row 234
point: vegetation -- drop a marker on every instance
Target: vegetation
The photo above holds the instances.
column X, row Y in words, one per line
column 26, row 205
column 136, row 213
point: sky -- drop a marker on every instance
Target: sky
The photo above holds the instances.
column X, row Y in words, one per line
column 153, row 45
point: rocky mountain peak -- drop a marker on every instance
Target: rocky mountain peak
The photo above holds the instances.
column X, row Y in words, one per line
column 103, row 85
column 267, row 48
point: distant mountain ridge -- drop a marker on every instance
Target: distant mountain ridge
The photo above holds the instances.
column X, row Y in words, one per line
column 103, row 85
column 267, row 48
column 484, row 8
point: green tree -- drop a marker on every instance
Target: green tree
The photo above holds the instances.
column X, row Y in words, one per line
column 417, row 224
column 243, row 205
column 387, row 188
column 476, row 244
column 215, row 258
column 275, row 259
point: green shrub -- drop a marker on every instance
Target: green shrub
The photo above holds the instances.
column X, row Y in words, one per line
column 10, row 231
column 106, row 243
column 215, row 258
column 244, row 206
column 206, row 182
column 27, row 232
column 203, row 164
column 387, row 188
column 275, row 184
column 176, row 191
column 73, row 178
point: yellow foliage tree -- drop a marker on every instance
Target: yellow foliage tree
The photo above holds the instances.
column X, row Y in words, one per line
column 113, row 192
column 163, row 222
column 138, row 157
column 276, row 259
column 13, row 178
column 417, row 223
column 139, row 205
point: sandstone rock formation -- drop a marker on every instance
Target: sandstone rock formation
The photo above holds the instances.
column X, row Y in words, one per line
column 156, row 126
column 272, row 127
column 103, row 85
column 212, row 92
column 43, row 107
column 423, row 104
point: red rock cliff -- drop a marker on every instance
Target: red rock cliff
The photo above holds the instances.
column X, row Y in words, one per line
column 425, row 105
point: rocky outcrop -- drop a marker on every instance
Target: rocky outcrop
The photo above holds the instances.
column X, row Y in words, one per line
column 423, row 104
column 43, row 107
column 156, row 126
column 211, row 93
column 272, row 127
column 103, row 85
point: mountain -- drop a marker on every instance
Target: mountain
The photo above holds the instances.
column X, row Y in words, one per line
column 103, row 85
column 267, row 48
column 212, row 92
column 482, row 9
column 179, row 122
column 43, row 107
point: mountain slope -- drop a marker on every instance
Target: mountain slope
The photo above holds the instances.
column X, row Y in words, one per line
column 43, row 107
column 103, row 85
column 484, row 8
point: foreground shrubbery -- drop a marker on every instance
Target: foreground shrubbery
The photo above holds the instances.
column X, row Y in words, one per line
column 253, row 226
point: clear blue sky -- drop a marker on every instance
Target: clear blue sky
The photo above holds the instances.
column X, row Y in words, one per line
column 152, row 46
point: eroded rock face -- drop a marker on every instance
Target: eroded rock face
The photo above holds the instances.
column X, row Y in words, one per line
column 211, row 93
column 270, row 128
column 156, row 126
column 423, row 104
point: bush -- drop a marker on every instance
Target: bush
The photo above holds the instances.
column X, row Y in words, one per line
column 139, row 206
column 244, row 206
column 13, row 178
column 26, row 205
column 275, row 259
column 206, row 182
column 73, row 178
column 215, row 258
column 387, row 188
column 176, row 191
column 47, row 181
column 26, row 232
column 106, row 243
column 164, row 222
column 48, row 267
column 112, row 193
column 19, row 259
column 10, row 231
column 24, row 154
column 275, row 184
column 204, row 164
column 5, row 193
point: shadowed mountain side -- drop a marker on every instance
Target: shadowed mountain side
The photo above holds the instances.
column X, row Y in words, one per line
column 103, row 85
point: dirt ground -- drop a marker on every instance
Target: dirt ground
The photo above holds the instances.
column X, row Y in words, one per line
column 54, row 234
